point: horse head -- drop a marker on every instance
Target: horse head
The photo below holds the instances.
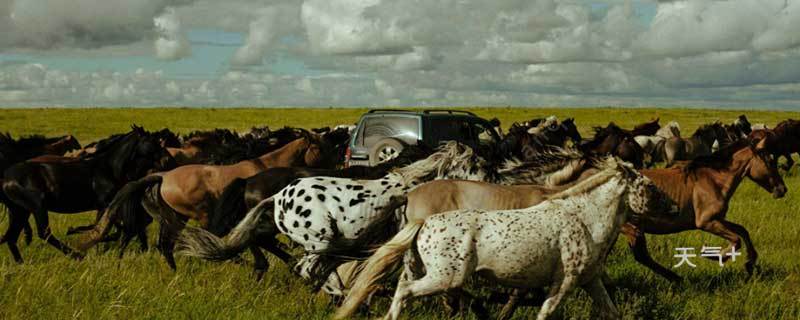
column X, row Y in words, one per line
column 763, row 168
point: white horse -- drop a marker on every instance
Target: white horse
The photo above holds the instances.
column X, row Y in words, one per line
column 654, row 145
column 561, row 243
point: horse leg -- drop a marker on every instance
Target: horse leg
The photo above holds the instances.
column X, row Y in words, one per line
column 45, row 233
column 18, row 218
column 33, row 201
column 429, row 284
column 638, row 245
column 28, row 232
column 558, row 290
column 273, row 246
column 734, row 233
column 601, row 299
column 88, row 227
column 260, row 264
column 511, row 305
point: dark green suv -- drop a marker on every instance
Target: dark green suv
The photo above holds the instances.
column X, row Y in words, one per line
column 382, row 134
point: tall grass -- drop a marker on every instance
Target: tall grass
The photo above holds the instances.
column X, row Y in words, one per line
column 140, row 285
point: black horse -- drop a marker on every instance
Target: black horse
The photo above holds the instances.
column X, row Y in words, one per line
column 74, row 185
column 14, row 151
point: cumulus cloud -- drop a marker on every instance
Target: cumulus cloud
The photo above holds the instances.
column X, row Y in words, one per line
column 364, row 52
column 48, row 24
column 172, row 43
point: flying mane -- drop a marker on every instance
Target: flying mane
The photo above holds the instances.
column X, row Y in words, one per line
column 450, row 156
column 550, row 167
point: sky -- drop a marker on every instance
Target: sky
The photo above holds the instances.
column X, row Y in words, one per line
column 696, row 53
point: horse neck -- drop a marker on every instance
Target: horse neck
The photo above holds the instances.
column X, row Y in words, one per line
column 608, row 215
column 293, row 150
column 727, row 179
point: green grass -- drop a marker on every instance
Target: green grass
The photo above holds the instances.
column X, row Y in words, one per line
column 140, row 285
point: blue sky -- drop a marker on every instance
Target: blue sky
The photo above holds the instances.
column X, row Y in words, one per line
column 346, row 52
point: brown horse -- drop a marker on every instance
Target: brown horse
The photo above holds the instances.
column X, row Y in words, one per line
column 191, row 191
column 784, row 140
column 616, row 141
column 702, row 190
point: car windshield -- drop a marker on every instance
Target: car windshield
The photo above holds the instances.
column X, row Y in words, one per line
column 405, row 129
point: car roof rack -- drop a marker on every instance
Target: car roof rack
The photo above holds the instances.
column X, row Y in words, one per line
column 427, row 111
column 387, row 110
column 448, row 111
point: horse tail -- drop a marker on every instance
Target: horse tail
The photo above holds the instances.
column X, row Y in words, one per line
column 230, row 208
column 199, row 243
column 377, row 267
column 126, row 207
column 374, row 235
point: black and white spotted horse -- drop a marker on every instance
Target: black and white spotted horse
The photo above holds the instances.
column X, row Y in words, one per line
column 315, row 211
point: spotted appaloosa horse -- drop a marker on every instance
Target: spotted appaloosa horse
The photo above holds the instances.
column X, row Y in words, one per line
column 315, row 211
column 560, row 243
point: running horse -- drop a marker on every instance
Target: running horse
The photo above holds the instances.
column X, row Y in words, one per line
column 525, row 143
column 785, row 140
column 191, row 191
column 702, row 190
column 616, row 141
column 74, row 185
column 560, row 243
column 13, row 151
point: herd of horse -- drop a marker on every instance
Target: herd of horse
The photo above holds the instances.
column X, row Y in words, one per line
column 540, row 208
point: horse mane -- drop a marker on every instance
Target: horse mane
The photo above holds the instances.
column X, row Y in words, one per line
column 718, row 159
column 609, row 167
column 600, row 134
column 549, row 167
column 448, row 156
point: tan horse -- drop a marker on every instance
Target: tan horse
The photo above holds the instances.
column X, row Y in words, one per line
column 191, row 191
column 702, row 190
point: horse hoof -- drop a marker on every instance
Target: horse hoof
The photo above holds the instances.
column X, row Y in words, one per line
column 76, row 256
column 259, row 274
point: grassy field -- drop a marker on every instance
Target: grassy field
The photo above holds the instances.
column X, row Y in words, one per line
column 51, row 286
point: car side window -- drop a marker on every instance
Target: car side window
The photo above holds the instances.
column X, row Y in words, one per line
column 374, row 129
column 445, row 129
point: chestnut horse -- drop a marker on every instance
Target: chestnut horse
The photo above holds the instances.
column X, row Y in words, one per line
column 784, row 140
column 702, row 190
column 191, row 191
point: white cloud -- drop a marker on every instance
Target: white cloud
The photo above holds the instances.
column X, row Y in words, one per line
column 172, row 43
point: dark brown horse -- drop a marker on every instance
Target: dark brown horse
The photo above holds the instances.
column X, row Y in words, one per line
column 74, row 185
column 191, row 191
column 702, row 190
column 648, row 128
column 520, row 143
column 784, row 140
column 616, row 141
